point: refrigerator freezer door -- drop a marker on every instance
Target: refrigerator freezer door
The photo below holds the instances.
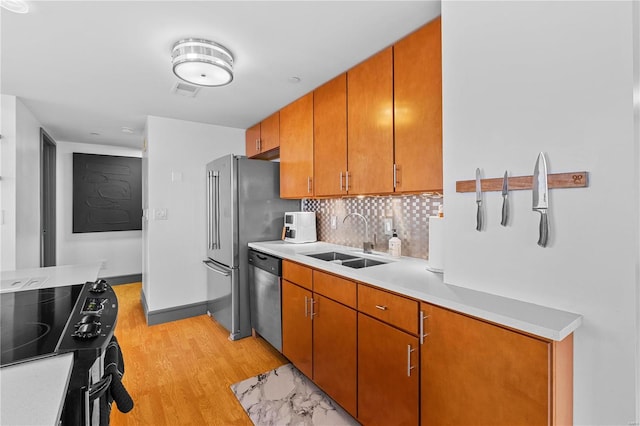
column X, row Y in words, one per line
column 220, row 295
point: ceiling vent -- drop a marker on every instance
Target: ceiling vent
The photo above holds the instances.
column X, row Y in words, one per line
column 184, row 89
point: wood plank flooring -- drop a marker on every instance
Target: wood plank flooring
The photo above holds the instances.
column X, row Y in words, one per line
column 179, row 373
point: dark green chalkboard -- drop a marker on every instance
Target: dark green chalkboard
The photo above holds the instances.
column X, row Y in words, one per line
column 107, row 193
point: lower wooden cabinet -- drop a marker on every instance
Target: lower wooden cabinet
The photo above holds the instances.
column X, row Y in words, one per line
column 474, row 372
column 334, row 351
column 388, row 374
column 297, row 327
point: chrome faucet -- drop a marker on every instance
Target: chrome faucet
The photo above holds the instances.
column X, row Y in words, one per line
column 367, row 245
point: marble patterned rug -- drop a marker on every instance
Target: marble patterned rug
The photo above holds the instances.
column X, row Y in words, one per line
column 284, row 396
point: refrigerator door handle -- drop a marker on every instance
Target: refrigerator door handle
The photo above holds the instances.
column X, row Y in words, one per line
column 209, row 210
column 216, row 269
column 216, row 226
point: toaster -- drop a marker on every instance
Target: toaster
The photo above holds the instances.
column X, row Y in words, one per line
column 300, row 227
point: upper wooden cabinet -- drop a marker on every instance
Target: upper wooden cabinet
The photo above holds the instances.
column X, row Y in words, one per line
column 330, row 137
column 296, row 148
column 417, row 67
column 263, row 139
column 370, row 125
column 499, row 376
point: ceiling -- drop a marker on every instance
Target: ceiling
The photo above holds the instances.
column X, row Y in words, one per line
column 84, row 67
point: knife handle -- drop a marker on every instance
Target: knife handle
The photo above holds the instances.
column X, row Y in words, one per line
column 544, row 229
column 505, row 212
column 479, row 217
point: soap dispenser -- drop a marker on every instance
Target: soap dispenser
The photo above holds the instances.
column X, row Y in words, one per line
column 395, row 245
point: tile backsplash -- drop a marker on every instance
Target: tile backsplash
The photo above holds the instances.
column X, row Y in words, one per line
column 409, row 213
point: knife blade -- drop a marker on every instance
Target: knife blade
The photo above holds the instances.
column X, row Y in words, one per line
column 478, row 201
column 505, row 195
column 541, row 197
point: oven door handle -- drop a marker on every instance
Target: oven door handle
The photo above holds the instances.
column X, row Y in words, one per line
column 99, row 388
column 216, row 269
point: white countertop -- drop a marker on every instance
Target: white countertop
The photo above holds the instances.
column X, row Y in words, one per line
column 51, row 276
column 409, row 276
column 33, row 393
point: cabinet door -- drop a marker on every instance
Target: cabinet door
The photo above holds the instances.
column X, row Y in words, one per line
column 370, row 125
column 297, row 326
column 296, row 148
column 417, row 76
column 270, row 132
column 334, row 351
column 330, row 137
column 252, row 140
column 498, row 376
column 388, row 370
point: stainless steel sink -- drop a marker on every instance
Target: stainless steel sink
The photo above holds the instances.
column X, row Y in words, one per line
column 346, row 259
column 332, row 255
column 362, row 263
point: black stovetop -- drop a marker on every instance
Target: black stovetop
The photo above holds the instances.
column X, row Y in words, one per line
column 32, row 321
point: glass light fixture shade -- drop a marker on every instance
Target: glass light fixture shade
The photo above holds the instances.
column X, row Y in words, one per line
column 202, row 62
column 16, row 6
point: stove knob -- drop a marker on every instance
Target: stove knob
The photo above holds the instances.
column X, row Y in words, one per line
column 100, row 286
column 88, row 319
column 87, row 331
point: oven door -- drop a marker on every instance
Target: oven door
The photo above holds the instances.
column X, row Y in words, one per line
column 222, row 296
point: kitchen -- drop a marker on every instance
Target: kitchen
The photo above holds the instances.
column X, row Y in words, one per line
column 518, row 79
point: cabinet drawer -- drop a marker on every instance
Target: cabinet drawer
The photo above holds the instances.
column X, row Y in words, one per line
column 297, row 274
column 395, row 310
column 336, row 288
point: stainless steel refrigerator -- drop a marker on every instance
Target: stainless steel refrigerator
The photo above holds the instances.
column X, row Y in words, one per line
column 243, row 205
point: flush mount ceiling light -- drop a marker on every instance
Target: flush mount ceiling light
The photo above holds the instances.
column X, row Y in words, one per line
column 202, row 62
column 17, row 6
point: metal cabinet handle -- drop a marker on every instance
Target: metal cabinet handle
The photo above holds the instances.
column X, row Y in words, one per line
column 423, row 318
column 313, row 302
column 340, row 181
column 381, row 307
column 409, row 366
column 395, row 176
column 306, row 312
column 347, row 176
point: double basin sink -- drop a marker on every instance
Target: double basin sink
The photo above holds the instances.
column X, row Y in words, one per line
column 346, row 259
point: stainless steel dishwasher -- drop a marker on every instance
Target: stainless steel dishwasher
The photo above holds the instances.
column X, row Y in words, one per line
column 265, row 294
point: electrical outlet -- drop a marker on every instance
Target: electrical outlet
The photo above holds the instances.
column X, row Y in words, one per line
column 334, row 222
column 160, row 214
column 387, row 226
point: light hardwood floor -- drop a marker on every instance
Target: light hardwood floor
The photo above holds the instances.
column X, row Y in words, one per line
column 179, row 373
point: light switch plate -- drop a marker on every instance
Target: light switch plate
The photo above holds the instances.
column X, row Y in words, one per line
column 387, row 226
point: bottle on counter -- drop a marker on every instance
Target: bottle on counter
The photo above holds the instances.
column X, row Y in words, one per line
column 395, row 245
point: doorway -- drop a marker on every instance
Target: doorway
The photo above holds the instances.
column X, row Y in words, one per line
column 48, row 200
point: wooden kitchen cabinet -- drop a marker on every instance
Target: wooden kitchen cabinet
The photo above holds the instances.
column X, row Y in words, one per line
column 296, row 148
column 388, row 374
column 370, row 125
column 330, row 137
column 318, row 333
column 474, row 372
column 297, row 327
column 335, row 351
column 262, row 140
column 417, row 68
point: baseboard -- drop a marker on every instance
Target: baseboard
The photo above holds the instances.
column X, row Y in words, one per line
column 173, row 314
column 123, row 279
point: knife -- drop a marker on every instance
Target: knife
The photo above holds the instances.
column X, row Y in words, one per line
column 505, row 194
column 478, row 201
column 541, row 197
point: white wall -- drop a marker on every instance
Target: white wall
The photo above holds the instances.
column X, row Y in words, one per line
column 525, row 77
column 122, row 250
column 20, row 185
column 174, row 275
column 8, row 183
